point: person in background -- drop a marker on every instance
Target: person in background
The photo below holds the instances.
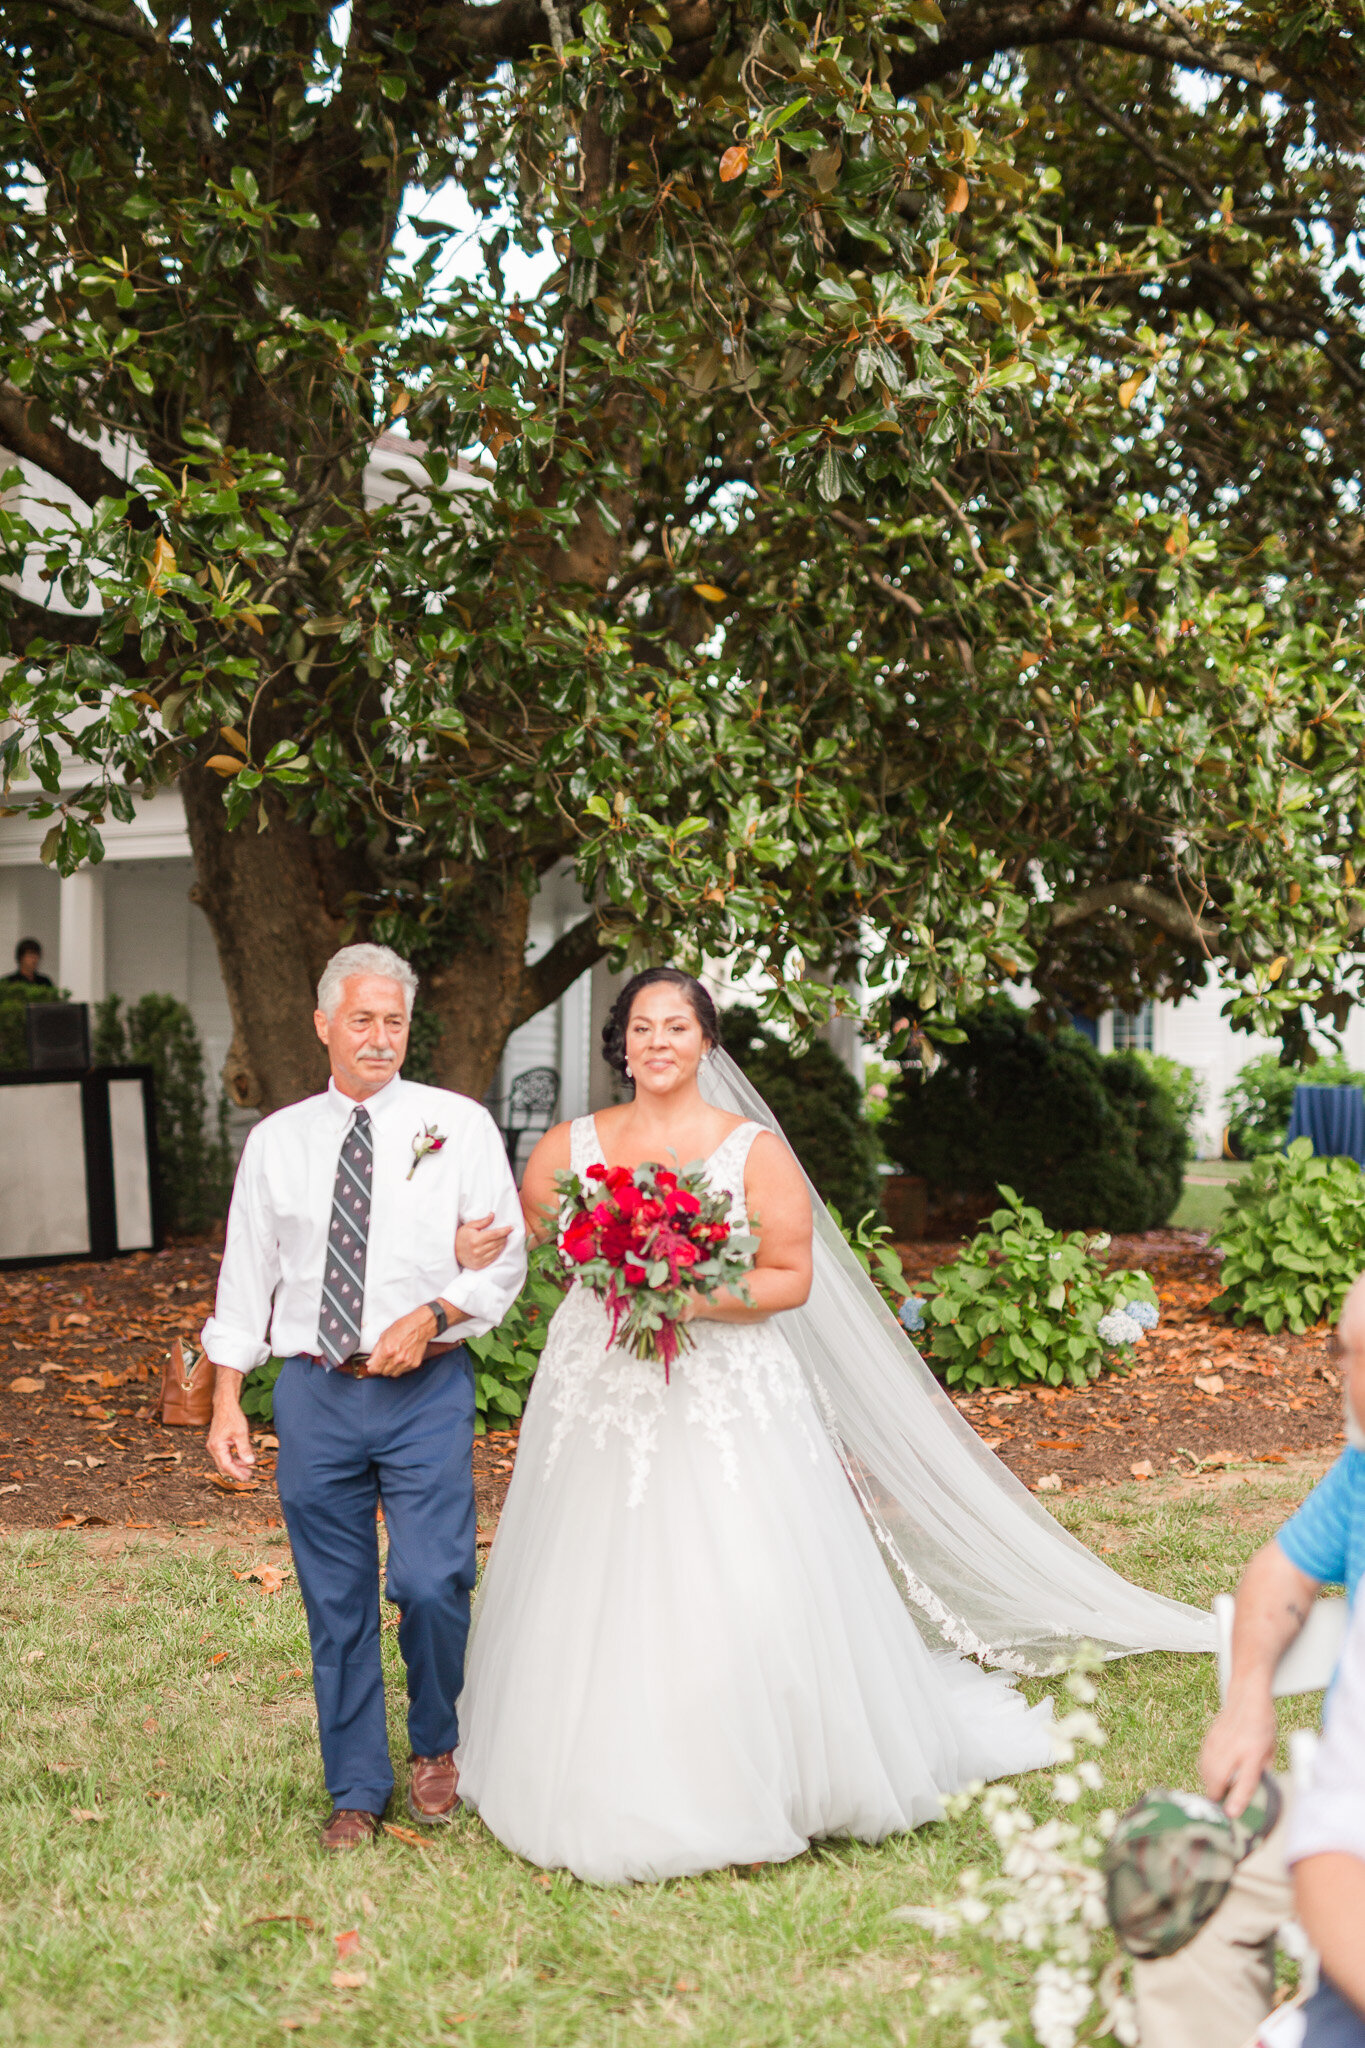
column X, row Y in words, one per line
column 1215, row 1992
column 28, row 960
column 1326, row 1852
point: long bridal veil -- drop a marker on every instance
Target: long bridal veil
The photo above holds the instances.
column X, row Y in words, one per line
column 986, row 1567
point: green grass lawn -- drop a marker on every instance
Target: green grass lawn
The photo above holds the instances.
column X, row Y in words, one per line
column 1208, row 1183
column 158, row 1692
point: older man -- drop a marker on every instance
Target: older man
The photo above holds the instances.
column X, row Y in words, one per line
column 1215, row 1992
column 342, row 1259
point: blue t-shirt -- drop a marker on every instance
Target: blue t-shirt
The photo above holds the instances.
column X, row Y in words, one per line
column 1326, row 1537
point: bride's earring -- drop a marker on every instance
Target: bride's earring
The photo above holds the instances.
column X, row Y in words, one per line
column 629, row 1075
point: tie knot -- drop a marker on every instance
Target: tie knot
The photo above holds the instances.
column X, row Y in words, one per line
column 360, row 1118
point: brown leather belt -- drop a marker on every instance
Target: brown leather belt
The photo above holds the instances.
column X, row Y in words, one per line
column 357, row 1366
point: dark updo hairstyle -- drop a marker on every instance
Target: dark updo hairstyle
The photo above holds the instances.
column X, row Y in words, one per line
column 618, row 1017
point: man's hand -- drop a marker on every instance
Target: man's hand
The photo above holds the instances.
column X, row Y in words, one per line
column 1273, row 1602
column 1239, row 1747
column 229, row 1438
column 480, row 1241
column 403, row 1345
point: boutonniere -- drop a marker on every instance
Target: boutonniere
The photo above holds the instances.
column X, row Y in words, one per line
column 428, row 1140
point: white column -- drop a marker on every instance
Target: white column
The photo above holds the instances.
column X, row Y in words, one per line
column 575, row 1047
column 81, row 944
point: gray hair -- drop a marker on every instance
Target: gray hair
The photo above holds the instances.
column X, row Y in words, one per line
column 364, row 960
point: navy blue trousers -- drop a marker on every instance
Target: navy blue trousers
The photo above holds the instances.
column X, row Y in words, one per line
column 1331, row 2021
column 346, row 1444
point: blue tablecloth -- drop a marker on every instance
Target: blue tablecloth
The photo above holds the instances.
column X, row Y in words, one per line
column 1334, row 1118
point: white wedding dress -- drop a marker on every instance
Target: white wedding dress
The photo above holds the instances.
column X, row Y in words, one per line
column 688, row 1650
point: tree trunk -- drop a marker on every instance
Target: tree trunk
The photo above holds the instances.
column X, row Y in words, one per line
column 276, row 915
column 478, row 996
column 276, row 901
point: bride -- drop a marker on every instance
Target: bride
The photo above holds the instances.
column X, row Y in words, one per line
column 687, row 1650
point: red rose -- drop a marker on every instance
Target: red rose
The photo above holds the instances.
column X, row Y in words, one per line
column 680, row 1203
column 596, row 1173
column 635, row 1274
column 580, row 1240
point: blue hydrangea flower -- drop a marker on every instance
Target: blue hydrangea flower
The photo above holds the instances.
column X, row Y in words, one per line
column 1118, row 1327
column 1145, row 1314
column 912, row 1314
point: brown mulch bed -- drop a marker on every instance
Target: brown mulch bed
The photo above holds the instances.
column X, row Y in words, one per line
column 88, row 1449
column 1202, row 1393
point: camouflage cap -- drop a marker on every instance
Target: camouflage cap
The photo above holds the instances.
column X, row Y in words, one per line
column 1170, row 1861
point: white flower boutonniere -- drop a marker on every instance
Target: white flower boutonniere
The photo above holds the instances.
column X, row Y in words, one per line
column 427, row 1141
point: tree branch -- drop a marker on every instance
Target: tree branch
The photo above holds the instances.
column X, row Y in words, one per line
column 546, row 979
column 1167, row 913
column 130, row 26
column 974, row 37
column 27, row 620
column 81, row 468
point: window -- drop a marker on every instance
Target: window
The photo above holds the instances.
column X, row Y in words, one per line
column 1133, row 1034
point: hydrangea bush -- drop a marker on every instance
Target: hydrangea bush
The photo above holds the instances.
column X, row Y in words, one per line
column 1024, row 1303
column 1293, row 1238
column 1043, row 1914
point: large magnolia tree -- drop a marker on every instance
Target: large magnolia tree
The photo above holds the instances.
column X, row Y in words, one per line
column 917, row 523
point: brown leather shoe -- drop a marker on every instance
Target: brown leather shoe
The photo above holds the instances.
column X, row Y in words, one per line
column 349, row 1827
column 434, row 1789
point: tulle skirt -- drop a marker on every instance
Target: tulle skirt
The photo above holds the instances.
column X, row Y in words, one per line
column 687, row 1651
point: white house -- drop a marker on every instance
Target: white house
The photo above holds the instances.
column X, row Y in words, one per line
column 1195, row 1032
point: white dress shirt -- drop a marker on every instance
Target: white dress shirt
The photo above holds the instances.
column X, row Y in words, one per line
column 270, row 1281
column 1330, row 1814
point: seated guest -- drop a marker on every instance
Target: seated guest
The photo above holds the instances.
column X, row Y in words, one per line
column 1215, row 1991
column 28, row 958
column 1326, row 1850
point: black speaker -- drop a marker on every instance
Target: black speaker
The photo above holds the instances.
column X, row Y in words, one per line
column 58, row 1036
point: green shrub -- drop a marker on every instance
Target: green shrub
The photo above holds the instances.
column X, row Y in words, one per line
column 870, row 1243
column 258, row 1392
column 1023, row 1303
column 1294, row 1239
column 1182, row 1086
column 15, row 997
column 506, row 1359
column 819, row 1106
column 1094, row 1143
column 1260, row 1101
column 194, row 1169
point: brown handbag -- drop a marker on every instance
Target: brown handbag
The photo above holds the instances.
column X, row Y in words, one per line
column 187, row 1387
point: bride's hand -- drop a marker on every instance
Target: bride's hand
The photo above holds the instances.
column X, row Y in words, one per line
column 480, row 1241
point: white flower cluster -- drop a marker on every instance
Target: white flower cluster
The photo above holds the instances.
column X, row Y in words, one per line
column 1048, row 1901
column 1118, row 1327
column 1145, row 1314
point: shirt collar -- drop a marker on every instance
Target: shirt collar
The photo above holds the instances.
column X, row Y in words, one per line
column 379, row 1105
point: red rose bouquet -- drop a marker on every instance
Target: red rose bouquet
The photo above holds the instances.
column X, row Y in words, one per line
column 643, row 1241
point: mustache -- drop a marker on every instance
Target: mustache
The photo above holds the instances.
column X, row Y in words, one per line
column 378, row 1052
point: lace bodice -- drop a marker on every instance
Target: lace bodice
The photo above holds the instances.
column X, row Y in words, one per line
column 732, row 1372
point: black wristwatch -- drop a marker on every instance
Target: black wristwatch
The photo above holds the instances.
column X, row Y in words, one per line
column 442, row 1319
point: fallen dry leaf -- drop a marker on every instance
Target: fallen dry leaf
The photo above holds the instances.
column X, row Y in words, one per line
column 233, row 1485
column 1142, row 1470
column 1051, row 1482
column 77, row 1318
column 347, row 1942
column 85, row 1813
column 33, row 1656
column 1209, row 1382
column 349, row 1980
column 26, row 1386
column 406, row 1835
column 268, row 1920
column 15, row 1488
column 309, row 2019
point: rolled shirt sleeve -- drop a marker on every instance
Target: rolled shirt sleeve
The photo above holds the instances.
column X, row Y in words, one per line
column 487, row 1185
column 1330, row 1816
column 237, row 1334
column 1315, row 1539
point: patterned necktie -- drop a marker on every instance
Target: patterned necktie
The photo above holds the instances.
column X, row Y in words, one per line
column 343, row 1283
